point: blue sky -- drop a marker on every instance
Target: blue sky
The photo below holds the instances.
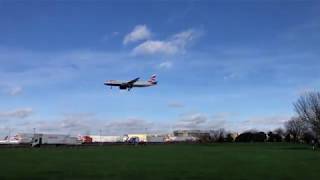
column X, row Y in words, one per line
column 233, row 65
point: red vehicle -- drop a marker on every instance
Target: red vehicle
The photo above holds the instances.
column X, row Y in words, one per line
column 86, row 139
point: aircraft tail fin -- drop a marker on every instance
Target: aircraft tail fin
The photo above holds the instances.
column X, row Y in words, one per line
column 153, row 79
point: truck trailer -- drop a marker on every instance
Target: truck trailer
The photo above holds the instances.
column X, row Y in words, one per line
column 54, row 139
column 106, row 139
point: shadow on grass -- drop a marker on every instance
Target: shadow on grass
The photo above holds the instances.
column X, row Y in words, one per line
column 297, row 148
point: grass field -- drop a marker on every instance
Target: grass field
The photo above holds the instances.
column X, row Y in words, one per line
column 183, row 161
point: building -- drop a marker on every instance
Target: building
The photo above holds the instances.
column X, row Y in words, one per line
column 190, row 133
column 156, row 138
column 137, row 137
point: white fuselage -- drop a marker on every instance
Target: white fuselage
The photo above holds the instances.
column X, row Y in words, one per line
column 136, row 84
column 132, row 83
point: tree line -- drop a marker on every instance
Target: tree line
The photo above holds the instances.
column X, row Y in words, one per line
column 304, row 127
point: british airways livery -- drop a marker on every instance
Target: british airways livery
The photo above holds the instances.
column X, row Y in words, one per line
column 133, row 83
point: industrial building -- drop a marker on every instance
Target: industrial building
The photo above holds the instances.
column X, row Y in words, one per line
column 36, row 139
column 190, row 133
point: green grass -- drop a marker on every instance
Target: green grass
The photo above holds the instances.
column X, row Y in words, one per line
column 215, row 161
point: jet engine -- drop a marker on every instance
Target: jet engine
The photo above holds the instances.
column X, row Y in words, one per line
column 123, row 86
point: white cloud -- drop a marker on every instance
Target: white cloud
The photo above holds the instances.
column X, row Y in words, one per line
column 267, row 120
column 175, row 44
column 111, row 35
column 15, row 91
column 155, row 47
column 227, row 121
column 201, row 121
column 165, row 65
column 58, row 67
column 175, row 105
column 192, row 121
column 130, row 125
column 80, row 121
column 115, row 33
column 75, row 123
column 84, row 123
column 181, row 39
column 231, row 76
column 188, row 121
column 18, row 113
column 140, row 32
column 263, row 123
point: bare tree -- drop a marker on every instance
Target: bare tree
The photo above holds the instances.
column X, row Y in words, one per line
column 295, row 127
column 308, row 109
column 218, row 135
column 279, row 131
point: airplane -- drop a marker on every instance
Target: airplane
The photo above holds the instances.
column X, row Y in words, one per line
column 133, row 83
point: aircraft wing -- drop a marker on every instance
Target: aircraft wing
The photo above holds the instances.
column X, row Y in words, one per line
column 122, row 84
column 113, row 83
column 133, row 81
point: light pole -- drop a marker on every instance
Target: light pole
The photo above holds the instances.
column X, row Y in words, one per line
column 100, row 137
column 9, row 135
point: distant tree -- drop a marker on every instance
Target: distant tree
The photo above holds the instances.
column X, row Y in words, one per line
column 274, row 137
column 222, row 134
column 251, row 137
column 260, row 137
column 277, row 138
column 308, row 136
column 229, row 138
column 218, row 135
column 308, row 110
column 295, row 127
column 270, row 136
column 244, row 137
column 287, row 137
column 205, row 139
column 281, row 132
